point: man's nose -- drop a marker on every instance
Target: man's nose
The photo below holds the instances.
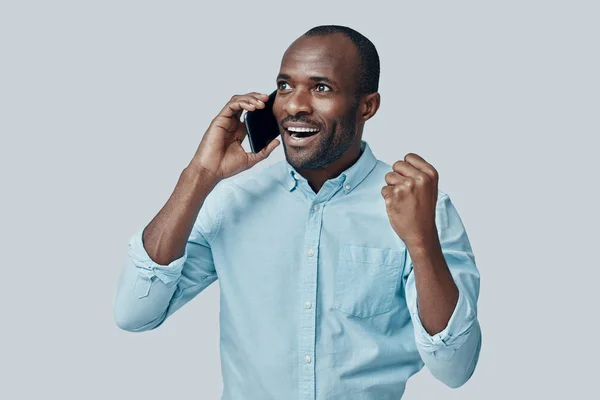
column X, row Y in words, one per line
column 298, row 102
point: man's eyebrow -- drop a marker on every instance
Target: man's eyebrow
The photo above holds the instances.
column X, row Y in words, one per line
column 312, row 78
column 322, row 79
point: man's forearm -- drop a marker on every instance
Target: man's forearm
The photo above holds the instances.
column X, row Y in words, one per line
column 437, row 294
column 166, row 235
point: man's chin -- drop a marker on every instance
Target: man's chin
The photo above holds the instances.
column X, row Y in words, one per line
column 305, row 163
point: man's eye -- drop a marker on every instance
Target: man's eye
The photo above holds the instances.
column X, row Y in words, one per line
column 281, row 85
column 320, row 85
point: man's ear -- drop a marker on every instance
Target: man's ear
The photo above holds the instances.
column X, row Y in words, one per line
column 369, row 105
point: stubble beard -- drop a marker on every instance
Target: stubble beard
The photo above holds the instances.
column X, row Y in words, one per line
column 329, row 148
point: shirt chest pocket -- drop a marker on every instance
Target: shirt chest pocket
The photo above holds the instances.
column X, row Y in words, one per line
column 367, row 279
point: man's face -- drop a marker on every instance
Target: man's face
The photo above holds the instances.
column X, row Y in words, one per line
column 316, row 89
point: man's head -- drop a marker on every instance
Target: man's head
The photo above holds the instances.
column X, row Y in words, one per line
column 328, row 80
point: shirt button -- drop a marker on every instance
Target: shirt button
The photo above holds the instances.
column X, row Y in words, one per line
column 307, row 304
column 311, row 252
column 316, row 207
column 347, row 187
column 307, row 359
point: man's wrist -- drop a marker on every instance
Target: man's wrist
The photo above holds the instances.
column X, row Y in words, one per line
column 200, row 176
column 424, row 245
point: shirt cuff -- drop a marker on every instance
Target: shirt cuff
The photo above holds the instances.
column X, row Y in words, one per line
column 446, row 342
column 147, row 268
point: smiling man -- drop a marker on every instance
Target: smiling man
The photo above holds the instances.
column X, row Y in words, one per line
column 321, row 81
column 340, row 275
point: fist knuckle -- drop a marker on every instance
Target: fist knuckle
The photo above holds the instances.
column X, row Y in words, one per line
column 422, row 178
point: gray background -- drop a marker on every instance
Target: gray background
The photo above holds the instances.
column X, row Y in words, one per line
column 102, row 104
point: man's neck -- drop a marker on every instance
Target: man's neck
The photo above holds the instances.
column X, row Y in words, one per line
column 317, row 177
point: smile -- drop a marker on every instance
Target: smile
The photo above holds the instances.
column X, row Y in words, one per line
column 301, row 136
column 301, row 131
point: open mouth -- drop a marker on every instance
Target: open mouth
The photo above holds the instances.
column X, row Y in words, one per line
column 301, row 136
column 298, row 133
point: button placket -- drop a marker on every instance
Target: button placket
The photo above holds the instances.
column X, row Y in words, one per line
column 306, row 350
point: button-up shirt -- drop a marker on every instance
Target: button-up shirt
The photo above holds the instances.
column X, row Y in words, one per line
column 317, row 291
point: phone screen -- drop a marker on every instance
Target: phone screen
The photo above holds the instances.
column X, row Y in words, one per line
column 261, row 125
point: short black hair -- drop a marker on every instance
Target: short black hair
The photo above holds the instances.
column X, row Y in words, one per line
column 368, row 76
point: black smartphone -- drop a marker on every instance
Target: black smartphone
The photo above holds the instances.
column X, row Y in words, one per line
column 261, row 125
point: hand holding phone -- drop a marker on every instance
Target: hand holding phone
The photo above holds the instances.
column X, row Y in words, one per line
column 220, row 152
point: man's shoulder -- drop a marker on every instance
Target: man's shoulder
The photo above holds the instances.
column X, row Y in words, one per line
column 258, row 178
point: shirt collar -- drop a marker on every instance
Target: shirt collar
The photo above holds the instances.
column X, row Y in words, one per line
column 351, row 177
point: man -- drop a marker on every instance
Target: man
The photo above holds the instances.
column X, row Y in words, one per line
column 340, row 275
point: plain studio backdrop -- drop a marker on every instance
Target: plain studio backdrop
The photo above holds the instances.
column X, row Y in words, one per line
column 102, row 104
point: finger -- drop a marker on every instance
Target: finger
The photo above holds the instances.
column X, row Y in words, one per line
column 418, row 162
column 235, row 106
column 256, row 102
column 230, row 117
column 257, row 99
column 388, row 194
column 394, row 178
column 233, row 109
column 260, row 96
column 242, row 132
column 264, row 153
column 404, row 168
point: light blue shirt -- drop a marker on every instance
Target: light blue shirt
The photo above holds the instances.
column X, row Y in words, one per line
column 317, row 291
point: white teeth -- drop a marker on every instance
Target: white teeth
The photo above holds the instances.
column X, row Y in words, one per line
column 296, row 129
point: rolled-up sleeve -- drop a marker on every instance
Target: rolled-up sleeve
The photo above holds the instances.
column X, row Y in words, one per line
column 147, row 292
column 452, row 354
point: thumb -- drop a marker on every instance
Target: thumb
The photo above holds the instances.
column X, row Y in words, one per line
column 264, row 153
